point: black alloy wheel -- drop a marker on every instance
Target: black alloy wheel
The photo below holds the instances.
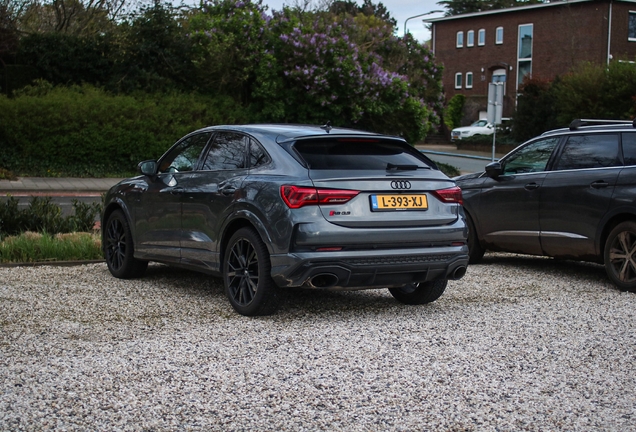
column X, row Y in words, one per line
column 119, row 249
column 246, row 275
column 620, row 256
column 419, row 293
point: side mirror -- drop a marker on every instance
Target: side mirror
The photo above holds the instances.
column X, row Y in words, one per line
column 148, row 167
column 494, row 169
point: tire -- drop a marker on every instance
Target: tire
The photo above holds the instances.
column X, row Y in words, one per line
column 419, row 293
column 119, row 249
column 247, row 275
column 475, row 250
column 620, row 256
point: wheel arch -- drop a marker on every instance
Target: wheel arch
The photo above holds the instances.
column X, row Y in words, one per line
column 113, row 206
column 608, row 225
column 240, row 220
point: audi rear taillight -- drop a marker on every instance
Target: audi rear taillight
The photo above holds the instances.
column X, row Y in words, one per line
column 299, row 196
column 450, row 195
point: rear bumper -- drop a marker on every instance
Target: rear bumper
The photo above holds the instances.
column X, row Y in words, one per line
column 368, row 269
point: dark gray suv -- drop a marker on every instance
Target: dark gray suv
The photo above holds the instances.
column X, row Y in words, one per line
column 272, row 206
column 569, row 193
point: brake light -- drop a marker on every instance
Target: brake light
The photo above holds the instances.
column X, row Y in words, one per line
column 450, row 195
column 299, row 196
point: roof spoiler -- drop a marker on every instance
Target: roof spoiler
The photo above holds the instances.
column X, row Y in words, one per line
column 577, row 123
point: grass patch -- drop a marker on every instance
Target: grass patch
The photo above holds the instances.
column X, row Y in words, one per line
column 450, row 170
column 37, row 247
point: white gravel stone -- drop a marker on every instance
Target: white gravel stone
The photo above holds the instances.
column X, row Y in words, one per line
column 520, row 343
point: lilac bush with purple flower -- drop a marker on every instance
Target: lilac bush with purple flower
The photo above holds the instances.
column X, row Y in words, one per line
column 313, row 67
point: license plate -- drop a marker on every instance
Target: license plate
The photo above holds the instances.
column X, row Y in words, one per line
column 399, row 202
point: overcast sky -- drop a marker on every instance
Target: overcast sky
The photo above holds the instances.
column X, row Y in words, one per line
column 399, row 9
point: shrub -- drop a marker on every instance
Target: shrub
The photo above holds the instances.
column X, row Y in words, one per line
column 44, row 216
column 84, row 131
column 454, row 111
column 536, row 109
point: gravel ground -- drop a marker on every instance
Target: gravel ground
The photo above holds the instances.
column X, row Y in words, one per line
column 519, row 344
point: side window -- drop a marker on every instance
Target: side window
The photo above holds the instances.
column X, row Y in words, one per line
column 629, row 148
column 532, row 158
column 258, row 156
column 184, row 156
column 499, row 35
column 227, row 152
column 589, row 151
column 458, row 80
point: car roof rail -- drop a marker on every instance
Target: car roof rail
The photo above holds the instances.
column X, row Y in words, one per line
column 577, row 123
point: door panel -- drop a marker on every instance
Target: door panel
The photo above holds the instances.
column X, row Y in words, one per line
column 508, row 214
column 508, row 211
column 209, row 195
column 158, row 219
column 577, row 194
column 158, row 222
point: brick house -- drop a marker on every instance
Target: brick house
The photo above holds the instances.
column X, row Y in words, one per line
column 544, row 40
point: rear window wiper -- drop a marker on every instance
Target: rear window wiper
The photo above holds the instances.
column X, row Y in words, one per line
column 393, row 167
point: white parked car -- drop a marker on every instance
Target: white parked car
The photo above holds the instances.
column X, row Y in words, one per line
column 480, row 127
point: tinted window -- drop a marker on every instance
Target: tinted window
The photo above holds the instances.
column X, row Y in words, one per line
column 184, row 156
column 589, row 151
column 531, row 158
column 629, row 148
column 227, row 152
column 257, row 154
column 357, row 154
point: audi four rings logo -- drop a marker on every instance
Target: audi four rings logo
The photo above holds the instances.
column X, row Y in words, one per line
column 401, row 184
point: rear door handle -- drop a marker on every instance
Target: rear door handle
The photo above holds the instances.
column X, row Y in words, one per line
column 599, row 184
column 177, row 191
column 531, row 186
column 227, row 190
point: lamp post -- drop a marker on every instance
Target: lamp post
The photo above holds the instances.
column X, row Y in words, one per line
column 420, row 15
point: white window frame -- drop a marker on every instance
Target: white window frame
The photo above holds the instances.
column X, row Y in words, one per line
column 458, row 80
column 629, row 13
column 469, row 82
column 497, row 40
column 524, row 60
column 459, row 39
column 470, row 38
column 481, row 37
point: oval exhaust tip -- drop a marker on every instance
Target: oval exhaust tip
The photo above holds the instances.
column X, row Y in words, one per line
column 324, row 280
column 458, row 273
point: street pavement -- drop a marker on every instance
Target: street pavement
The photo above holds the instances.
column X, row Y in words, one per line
column 466, row 161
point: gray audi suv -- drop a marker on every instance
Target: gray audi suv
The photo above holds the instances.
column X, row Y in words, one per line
column 268, row 207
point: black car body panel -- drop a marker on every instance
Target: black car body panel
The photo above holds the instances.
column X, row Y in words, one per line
column 562, row 199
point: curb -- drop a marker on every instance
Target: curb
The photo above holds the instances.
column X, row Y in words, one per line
column 51, row 263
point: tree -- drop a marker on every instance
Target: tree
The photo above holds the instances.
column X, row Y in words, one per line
column 457, row 7
column 75, row 17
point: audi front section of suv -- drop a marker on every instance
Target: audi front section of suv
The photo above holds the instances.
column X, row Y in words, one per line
column 268, row 207
column 569, row 193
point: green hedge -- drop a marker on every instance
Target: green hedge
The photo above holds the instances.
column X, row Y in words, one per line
column 84, row 131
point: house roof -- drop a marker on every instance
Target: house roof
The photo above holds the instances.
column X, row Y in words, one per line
column 515, row 9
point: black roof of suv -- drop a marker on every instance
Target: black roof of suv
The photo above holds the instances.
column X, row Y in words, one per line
column 568, row 193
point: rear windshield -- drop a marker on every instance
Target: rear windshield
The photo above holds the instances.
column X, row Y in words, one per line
column 358, row 154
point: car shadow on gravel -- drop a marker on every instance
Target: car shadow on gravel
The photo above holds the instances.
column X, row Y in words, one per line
column 579, row 270
column 295, row 300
